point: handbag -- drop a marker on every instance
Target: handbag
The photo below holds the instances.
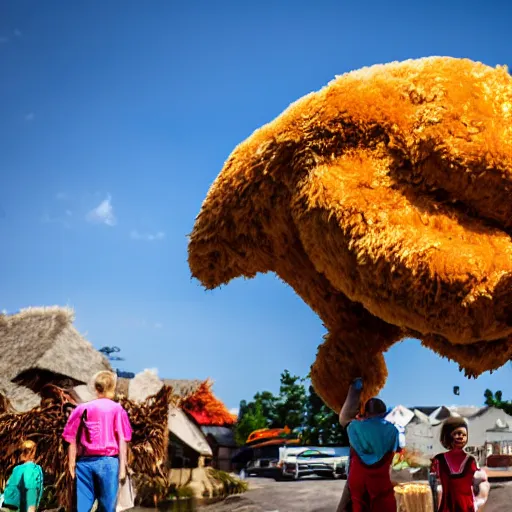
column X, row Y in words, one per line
column 125, row 494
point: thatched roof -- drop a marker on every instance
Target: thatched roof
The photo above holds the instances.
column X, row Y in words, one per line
column 144, row 385
column 182, row 388
column 20, row 397
column 43, row 341
column 84, row 393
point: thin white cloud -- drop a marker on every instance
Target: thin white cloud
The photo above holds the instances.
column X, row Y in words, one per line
column 4, row 39
column 17, row 33
column 234, row 411
column 148, row 237
column 158, row 325
column 30, row 116
column 59, row 216
column 47, row 219
column 103, row 213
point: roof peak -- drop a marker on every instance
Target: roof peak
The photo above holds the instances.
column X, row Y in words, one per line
column 66, row 312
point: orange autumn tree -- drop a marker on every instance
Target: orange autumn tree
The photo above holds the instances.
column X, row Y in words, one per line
column 206, row 408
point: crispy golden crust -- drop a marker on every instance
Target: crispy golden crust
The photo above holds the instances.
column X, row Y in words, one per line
column 384, row 201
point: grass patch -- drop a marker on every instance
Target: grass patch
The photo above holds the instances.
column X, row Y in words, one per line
column 231, row 483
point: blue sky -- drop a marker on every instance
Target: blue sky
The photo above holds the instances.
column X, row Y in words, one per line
column 115, row 119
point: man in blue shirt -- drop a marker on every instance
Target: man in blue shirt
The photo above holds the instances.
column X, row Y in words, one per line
column 373, row 442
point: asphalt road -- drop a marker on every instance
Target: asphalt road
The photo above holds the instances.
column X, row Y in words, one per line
column 267, row 495
column 316, row 495
column 312, row 495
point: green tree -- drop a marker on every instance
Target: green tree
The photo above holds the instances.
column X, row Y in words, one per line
column 295, row 408
column 268, row 403
column 496, row 400
column 250, row 420
column 268, row 411
column 290, row 406
column 322, row 423
column 493, row 399
column 242, row 409
column 254, row 415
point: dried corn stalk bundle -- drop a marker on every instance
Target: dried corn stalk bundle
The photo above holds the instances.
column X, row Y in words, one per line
column 384, row 201
column 44, row 425
column 414, row 498
column 5, row 404
column 151, row 490
column 150, row 439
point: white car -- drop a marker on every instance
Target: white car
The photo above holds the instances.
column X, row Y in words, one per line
column 296, row 462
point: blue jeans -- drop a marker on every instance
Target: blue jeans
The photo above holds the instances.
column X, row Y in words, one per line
column 97, row 478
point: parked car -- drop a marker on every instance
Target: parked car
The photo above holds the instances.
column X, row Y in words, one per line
column 297, row 462
column 259, row 461
column 261, row 467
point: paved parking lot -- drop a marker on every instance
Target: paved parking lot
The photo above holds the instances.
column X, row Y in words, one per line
column 267, row 495
column 316, row 495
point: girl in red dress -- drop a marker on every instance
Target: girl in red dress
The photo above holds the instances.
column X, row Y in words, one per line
column 457, row 472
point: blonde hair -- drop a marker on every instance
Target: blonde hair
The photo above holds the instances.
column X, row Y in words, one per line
column 105, row 384
column 27, row 449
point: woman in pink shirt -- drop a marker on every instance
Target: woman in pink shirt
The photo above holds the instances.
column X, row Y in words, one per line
column 97, row 433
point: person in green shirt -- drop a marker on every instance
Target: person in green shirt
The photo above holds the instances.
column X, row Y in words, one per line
column 24, row 488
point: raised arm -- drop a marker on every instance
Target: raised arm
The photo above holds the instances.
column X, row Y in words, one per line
column 352, row 403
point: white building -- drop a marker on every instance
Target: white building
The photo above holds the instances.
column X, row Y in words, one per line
column 490, row 429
